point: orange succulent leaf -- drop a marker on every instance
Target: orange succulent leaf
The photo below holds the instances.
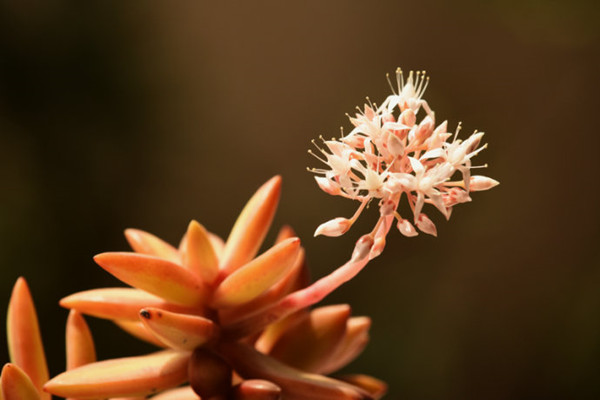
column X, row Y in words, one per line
column 295, row 384
column 146, row 243
column 256, row 389
column 178, row 331
column 353, row 343
column 297, row 300
column 131, row 376
column 181, row 393
column 16, row 385
column 24, row 340
column 118, row 303
column 199, row 255
column 251, row 227
column 155, row 275
column 138, row 330
column 377, row 388
column 79, row 342
column 258, row 275
column 308, row 344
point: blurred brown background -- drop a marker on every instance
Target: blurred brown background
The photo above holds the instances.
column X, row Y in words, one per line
column 148, row 114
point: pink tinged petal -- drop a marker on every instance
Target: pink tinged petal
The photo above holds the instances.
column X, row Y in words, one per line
column 131, row 376
column 79, row 342
column 426, row 225
column 146, row 243
column 425, row 129
column 303, row 298
column 254, row 278
column 16, row 385
column 419, row 205
column 406, row 228
column 328, row 186
column 437, row 200
column 209, row 374
column 408, row 117
column 178, row 331
column 118, row 303
column 157, row 276
column 251, row 226
column 139, row 331
column 256, row 389
column 310, row 343
column 295, row 384
column 377, row 388
column 416, row 165
column 182, row 393
column 335, row 227
column 353, row 343
column 395, row 145
column 199, row 256
column 480, row 182
column 24, row 340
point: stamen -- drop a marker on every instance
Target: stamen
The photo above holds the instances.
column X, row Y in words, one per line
column 458, row 128
column 317, row 157
column 399, row 79
column 387, row 76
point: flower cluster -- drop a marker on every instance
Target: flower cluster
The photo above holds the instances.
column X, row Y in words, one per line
column 389, row 153
column 234, row 325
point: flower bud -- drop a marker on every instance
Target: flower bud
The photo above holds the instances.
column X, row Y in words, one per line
column 480, row 182
column 327, row 185
column 408, row 117
column 362, row 248
column 395, row 145
column 426, row 225
column 335, row 227
column 425, row 129
column 406, row 228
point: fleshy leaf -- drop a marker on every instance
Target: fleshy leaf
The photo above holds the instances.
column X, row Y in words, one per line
column 117, row 303
column 24, row 340
column 155, row 275
column 16, row 385
column 353, row 343
column 178, row 331
column 374, row 386
column 79, row 342
column 256, row 389
column 257, row 276
column 300, row 299
column 138, row 330
column 209, row 375
column 181, row 393
column 308, row 344
column 251, row 226
column 295, row 384
column 146, row 243
column 131, row 376
column 199, row 255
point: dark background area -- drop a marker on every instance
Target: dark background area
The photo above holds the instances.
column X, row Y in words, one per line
column 149, row 114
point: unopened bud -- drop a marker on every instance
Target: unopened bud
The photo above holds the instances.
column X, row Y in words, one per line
column 395, row 145
column 425, row 129
column 480, row 182
column 473, row 142
column 408, row 117
column 362, row 248
column 335, row 227
column 426, row 225
column 406, row 228
column 256, row 389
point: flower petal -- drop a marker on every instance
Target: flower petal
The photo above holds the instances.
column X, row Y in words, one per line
column 295, row 384
column 199, row 255
column 258, row 275
column 131, row 376
column 79, row 342
column 155, row 275
column 146, row 243
column 24, row 340
column 251, row 226
column 309, row 343
column 16, row 385
column 178, row 331
column 118, row 303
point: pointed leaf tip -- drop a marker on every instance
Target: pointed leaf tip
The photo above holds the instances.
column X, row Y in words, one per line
column 251, row 226
column 257, row 276
column 155, row 275
column 24, row 339
column 199, row 254
column 146, row 243
column 16, row 385
column 79, row 342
